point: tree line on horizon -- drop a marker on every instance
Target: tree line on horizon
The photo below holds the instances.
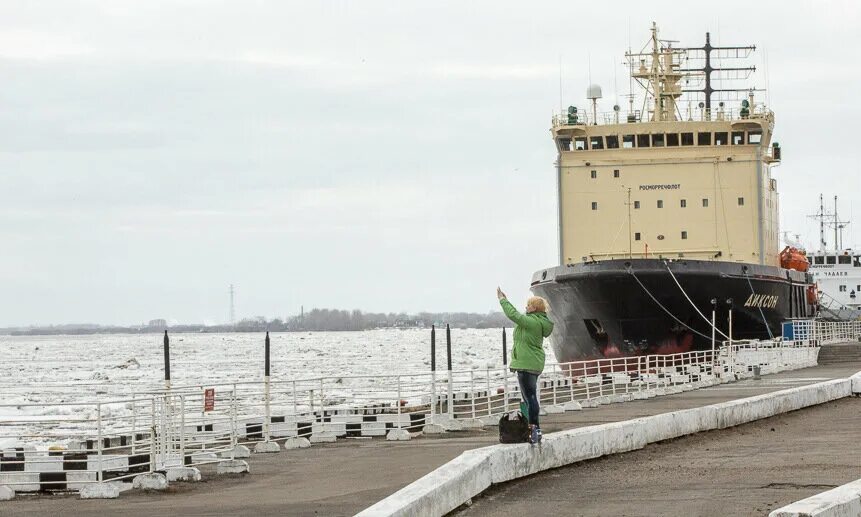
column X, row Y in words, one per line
column 315, row 320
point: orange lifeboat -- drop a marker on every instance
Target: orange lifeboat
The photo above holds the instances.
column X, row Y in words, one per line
column 793, row 258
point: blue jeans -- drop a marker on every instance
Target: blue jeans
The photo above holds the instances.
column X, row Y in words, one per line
column 529, row 391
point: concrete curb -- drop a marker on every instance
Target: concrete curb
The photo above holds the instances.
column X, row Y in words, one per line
column 844, row 500
column 472, row 472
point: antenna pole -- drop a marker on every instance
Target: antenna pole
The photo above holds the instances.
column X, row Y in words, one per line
column 822, row 245
column 835, row 224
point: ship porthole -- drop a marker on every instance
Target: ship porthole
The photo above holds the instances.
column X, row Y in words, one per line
column 660, row 237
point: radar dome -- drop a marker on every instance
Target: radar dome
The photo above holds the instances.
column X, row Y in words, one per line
column 593, row 92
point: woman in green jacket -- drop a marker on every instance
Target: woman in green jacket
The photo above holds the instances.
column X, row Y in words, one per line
column 527, row 357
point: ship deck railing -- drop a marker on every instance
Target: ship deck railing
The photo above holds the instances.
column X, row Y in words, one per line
column 584, row 116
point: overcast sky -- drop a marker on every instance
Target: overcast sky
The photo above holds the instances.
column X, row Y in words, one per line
column 384, row 156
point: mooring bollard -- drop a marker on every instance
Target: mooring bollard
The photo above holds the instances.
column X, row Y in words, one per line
column 268, row 421
column 433, row 373
column 504, row 348
column 450, row 375
column 166, row 361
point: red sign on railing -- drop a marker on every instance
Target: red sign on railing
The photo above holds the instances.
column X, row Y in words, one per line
column 209, row 399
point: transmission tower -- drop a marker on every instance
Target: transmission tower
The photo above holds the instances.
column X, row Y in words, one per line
column 232, row 307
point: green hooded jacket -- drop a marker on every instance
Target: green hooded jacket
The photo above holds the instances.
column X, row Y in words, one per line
column 529, row 333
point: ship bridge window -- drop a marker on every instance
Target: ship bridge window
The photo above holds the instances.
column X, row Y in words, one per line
column 754, row 137
column 819, row 260
column 642, row 140
column 564, row 144
column 842, row 288
column 636, row 204
column 705, row 202
column 597, row 142
column 704, row 139
column 857, row 263
column 687, row 139
column 830, row 259
column 612, row 141
column 594, row 205
column 741, row 201
column 844, row 259
column 580, row 143
column 637, row 236
column 684, row 235
column 721, row 138
column 672, row 139
column 684, row 203
column 660, row 203
column 658, row 140
column 737, row 137
column 628, row 141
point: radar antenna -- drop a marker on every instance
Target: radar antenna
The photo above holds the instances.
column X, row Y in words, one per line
column 704, row 54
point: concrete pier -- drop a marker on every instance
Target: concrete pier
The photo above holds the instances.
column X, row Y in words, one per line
column 345, row 477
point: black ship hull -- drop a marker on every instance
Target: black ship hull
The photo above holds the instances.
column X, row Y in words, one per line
column 645, row 306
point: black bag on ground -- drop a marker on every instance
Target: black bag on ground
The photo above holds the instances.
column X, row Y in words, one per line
column 513, row 428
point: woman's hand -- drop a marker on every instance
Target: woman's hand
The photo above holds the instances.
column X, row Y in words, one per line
column 500, row 294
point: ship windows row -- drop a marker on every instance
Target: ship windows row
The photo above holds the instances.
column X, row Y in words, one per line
column 683, row 203
column 837, row 259
column 598, row 142
column 638, row 236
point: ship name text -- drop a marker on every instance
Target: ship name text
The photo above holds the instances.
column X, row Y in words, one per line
column 763, row 301
column 667, row 186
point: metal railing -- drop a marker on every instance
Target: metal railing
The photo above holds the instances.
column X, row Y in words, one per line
column 584, row 117
column 198, row 424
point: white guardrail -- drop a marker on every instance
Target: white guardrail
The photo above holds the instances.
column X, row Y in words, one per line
column 85, row 440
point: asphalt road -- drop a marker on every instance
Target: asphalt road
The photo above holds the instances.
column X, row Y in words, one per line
column 746, row 470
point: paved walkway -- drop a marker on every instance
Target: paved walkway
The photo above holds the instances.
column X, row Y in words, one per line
column 348, row 476
column 751, row 469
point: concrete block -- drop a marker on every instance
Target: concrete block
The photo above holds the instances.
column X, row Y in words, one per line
column 844, row 500
column 441, row 491
column 266, row 447
column 396, row 435
column 77, row 479
column 572, row 405
column 296, row 443
column 184, row 474
column 239, row 452
column 472, row 423
column 856, row 383
column 323, row 437
column 433, row 429
column 100, row 491
column 150, row 481
column 334, row 428
column 553, row 410
column 6, row 493
column 232, row 467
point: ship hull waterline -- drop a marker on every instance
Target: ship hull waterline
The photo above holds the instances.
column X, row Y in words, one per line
column 627, row 307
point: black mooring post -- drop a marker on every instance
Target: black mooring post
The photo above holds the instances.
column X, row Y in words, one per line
column 166, row 357
column 448, row 345
column 267, row 355
column 504, row 348
column 433, row 348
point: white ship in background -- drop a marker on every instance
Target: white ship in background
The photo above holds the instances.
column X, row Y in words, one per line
column 836, row 270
